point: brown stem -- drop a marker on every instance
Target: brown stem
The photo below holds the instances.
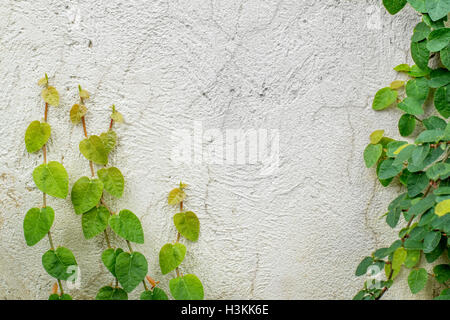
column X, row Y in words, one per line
column 108, row 243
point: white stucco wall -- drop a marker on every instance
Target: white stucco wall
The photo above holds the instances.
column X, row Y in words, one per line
column 306, row 68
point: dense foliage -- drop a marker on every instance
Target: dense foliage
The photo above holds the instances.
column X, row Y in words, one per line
column 421, row 164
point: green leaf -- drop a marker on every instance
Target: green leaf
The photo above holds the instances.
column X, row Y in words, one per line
column 363, row 266
column 110, row 293
column 94, row 150
column 59, row 263
column 171, row 256
column 384, row 182
column 86, row 194
column 417, row 280
column 109, row 139
column 113, row 181
column 434, row 122
column 402, row 68
column 406, row 125
column 445, row 56
column 37, row 224
column 431, row 241
column 421, row 32
column 109, row 257
column 64, row 296
column 52, row 179
column 437, row 9
column 128, row 226
column 438, row 170
column 176, row 196
column 416, row 72
column 94, row 221
column 418, row 89
column 442, row 101
column 437, row 252
column 439, row 78
column 155, row 294
column 187, row 225
column 51, row 96
column 394, row 6
column 384, row 98
column 37, row 135
column 416, row 183
column 419, row 5
column 187, row 287
column 372, row 153
column 433, row 136
column 412, row 258
column 131, row 269
column 393, row 217
column 411, row 106
column 388, row 169
column 442, row 273
column 420, row 54
column 422, row 205
column 438, row 39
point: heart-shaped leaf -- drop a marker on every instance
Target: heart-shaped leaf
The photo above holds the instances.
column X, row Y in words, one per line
column 171, row 256
column 37, row 135
column 110, row 293
column 94, row 221
column 109, row 139
column 113, row 181
column 51, row 96
column 131, row 269
column 52, row 179
column 384, row 98
column 417, row 280
column 60, row 263
column 155, row 294
column 86, row 194
column 109, row 257
column 64, row 296
column 176, row 196
column 37, row 224
column 394, row 6
column 187, row 287
column 77, row 112
column 442, row 101
column 187, row 225
column 94, row 150
column 128, row 226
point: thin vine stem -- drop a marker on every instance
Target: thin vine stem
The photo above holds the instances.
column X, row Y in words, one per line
column 44, row 196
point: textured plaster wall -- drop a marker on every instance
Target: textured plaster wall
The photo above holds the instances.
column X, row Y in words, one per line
column 307, row 68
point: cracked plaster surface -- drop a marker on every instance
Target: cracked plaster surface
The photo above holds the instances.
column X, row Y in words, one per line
column 306, row 68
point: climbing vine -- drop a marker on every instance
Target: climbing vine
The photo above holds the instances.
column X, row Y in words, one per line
column 421, row 165
column 128, row 267
column 171, row 255
column 52, row 179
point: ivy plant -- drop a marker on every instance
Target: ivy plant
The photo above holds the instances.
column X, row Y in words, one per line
column 52, row 179
column 171, row 255
column 421, row 164
column 128, row 267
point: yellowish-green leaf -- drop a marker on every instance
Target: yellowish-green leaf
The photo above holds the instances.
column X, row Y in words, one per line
column 442, row 208
column 37, row 135
column 109, row 139
column 376, row 136
column 94, row 149
column 43, row 81
column 51, row 96
column 397, row 84
column 84, row 94
column 117, row 117
column 176, row 196
column 399, row 258
column 77, row 112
